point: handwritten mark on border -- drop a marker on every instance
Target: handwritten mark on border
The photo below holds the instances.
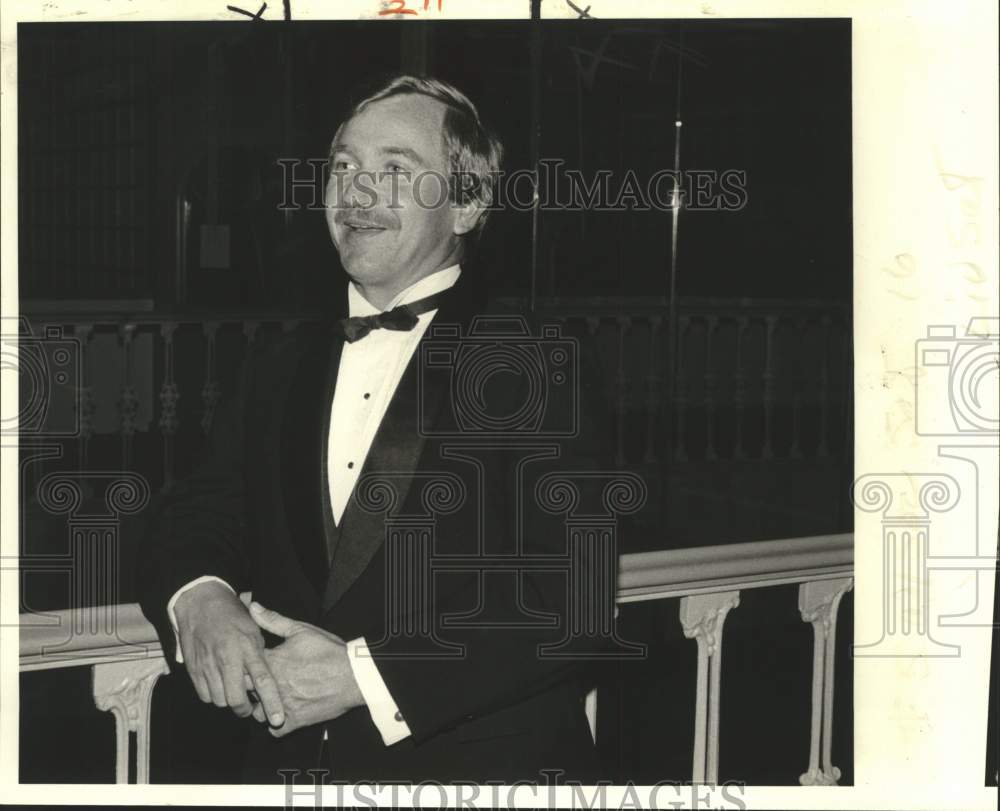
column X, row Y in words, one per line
column 258, row 17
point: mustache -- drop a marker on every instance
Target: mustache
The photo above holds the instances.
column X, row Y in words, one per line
column 363, row 218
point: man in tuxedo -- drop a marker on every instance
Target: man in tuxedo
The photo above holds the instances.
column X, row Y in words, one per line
column 337, row 437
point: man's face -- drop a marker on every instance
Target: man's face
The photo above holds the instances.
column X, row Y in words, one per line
column 387, row 200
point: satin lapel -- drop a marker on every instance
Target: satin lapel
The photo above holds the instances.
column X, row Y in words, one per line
column 331, row 532
column 396, row 450
column 305, row 425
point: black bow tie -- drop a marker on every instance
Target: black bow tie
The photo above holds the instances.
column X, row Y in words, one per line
column 402, row 319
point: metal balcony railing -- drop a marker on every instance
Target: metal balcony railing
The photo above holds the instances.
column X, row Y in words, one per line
column 125, row 657
column 752, row 379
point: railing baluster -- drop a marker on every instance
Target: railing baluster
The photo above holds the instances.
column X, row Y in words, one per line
column 799, row 385
column 795, row 450
column 85, row 419
column 653, row 380
column 250, row 328
column 739, row 392
column 126, row 690
column 169, row 395
column 128, row 405
column 680, row 390
column 210, row 391
column 768, row 449
column 621, row 388
column 711, row 324
column 593, row 323
column 702, row 618
column 818, row 604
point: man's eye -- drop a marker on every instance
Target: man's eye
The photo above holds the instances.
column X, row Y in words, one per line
column 395, row 168
column 342, row 165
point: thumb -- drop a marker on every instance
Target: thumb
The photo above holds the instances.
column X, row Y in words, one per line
column 273, row 621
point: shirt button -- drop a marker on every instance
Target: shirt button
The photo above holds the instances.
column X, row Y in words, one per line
column 350, row 465
column 398, row 716
column 367, row 394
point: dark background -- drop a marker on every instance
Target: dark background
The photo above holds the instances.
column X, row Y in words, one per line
column 118, row 121
column 133, row 138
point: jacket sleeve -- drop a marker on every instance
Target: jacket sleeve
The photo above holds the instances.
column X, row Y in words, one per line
column 198, row 528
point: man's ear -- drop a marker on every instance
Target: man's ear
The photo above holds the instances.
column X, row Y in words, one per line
column 467, row 216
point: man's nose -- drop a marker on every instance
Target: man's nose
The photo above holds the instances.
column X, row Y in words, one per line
column 344, row 191
column 352, row 194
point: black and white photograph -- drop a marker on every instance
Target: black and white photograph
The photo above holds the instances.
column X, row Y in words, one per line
column 465, row 403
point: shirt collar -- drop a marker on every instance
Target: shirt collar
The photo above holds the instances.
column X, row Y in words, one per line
column 436, row 282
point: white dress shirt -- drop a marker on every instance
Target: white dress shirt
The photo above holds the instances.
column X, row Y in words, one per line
column 369, row 373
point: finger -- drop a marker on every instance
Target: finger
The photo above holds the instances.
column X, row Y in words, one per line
column 283, row 730
column 266, row 688
column 258, row 713
column 200, row 685
column 215, row 686
column 194, row 671
column 273, row 621
column 258, row 710
column 236, row 694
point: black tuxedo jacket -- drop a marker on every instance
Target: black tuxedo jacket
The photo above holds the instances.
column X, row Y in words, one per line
column 458, row 646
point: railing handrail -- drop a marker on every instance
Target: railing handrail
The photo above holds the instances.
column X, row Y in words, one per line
column 110, row 634
column 121, row 632
column 733, row 567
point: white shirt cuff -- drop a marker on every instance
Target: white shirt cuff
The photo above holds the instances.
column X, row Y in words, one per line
column 179, row 657
column 384, row 712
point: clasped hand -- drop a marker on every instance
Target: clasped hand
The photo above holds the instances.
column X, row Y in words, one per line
column 305, row 680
